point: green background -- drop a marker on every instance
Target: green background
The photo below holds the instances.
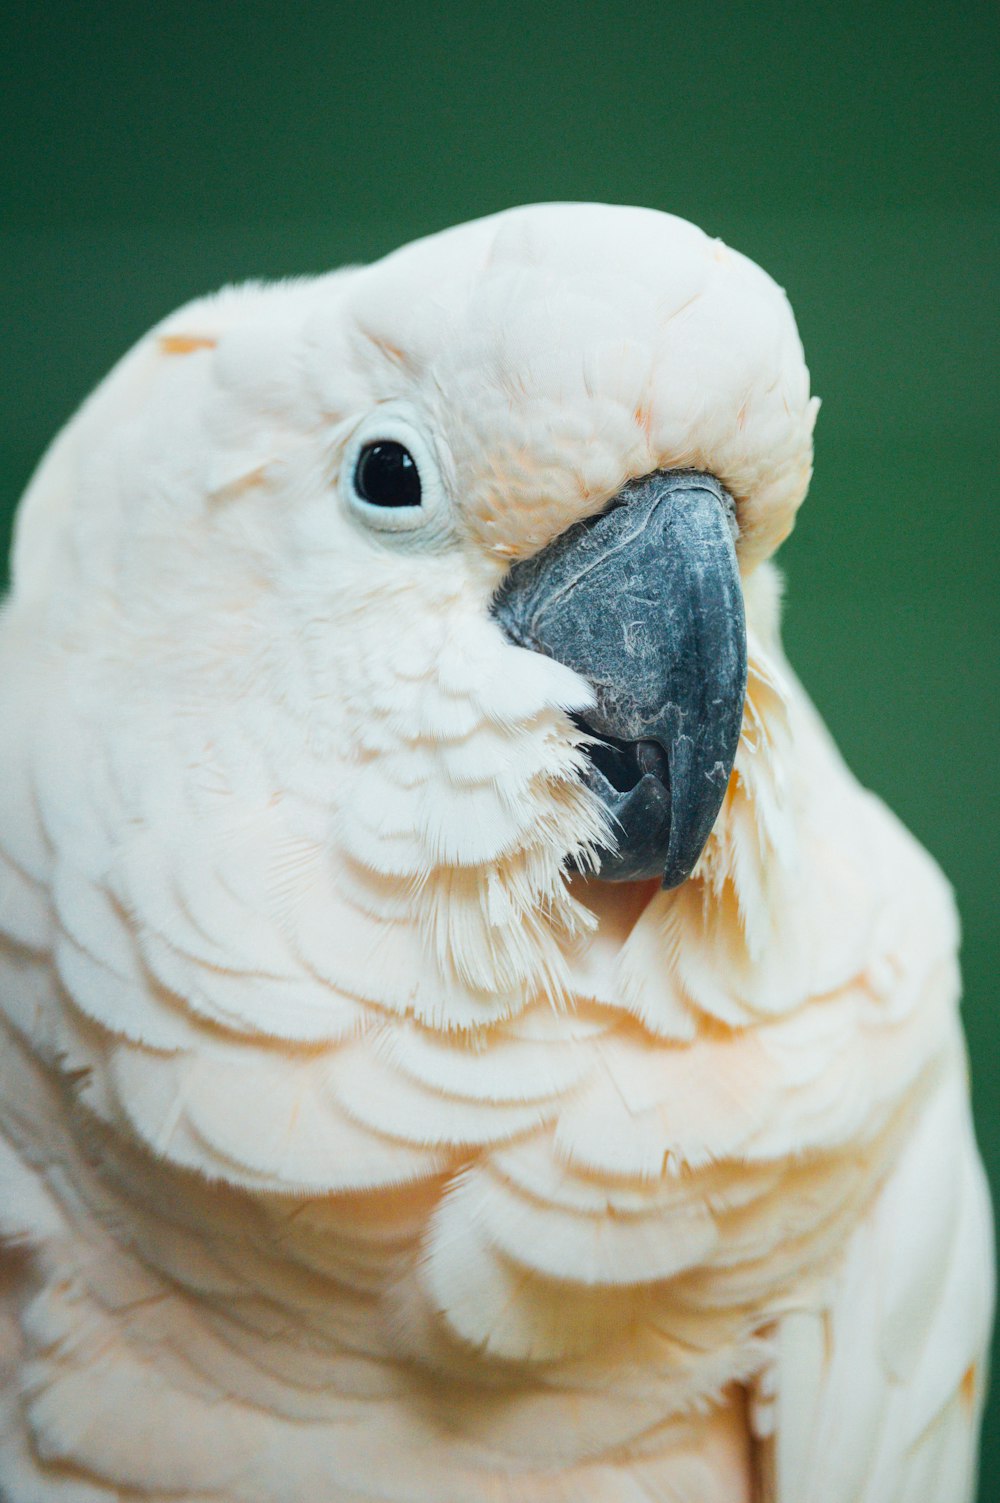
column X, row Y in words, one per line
column 153, row 152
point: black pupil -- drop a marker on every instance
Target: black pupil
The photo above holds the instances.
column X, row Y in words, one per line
column 386, row 475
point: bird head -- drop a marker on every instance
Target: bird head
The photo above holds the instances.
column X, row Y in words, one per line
column 421, row 585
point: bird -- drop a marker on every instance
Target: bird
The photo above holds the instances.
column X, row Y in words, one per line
column 464, row 1032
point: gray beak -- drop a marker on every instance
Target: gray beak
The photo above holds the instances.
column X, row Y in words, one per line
column 645, row 602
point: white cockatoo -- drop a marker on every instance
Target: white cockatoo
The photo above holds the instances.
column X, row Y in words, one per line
column 359, row 1139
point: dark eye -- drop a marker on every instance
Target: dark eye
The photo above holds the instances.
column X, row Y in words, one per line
column 386, row 475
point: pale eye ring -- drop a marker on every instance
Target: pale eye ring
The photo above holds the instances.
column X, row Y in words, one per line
column 391, row 476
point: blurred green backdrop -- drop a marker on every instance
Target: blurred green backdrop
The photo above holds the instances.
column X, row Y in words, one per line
column 151, row 153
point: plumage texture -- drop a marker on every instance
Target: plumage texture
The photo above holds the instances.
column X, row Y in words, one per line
column 350, row 1149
